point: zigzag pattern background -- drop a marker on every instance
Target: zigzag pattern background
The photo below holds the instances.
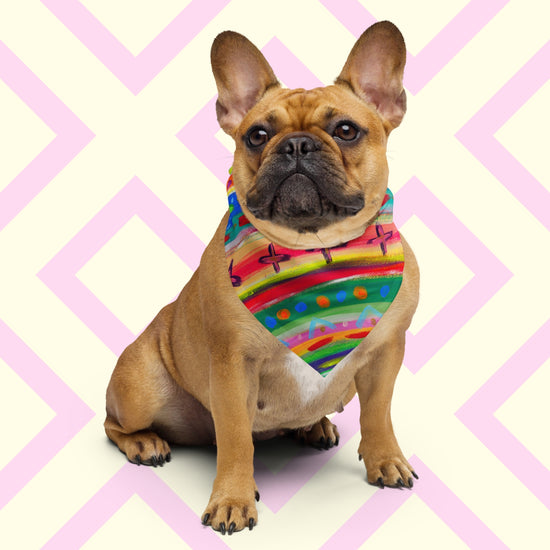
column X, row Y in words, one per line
column 112, row 180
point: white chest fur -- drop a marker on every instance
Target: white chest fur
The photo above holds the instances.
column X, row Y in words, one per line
column 293, row 394
column 311, row 386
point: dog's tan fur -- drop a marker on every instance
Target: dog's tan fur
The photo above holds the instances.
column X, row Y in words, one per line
column 205, row 370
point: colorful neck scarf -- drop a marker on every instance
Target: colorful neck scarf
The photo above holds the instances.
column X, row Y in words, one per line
column 320, row 303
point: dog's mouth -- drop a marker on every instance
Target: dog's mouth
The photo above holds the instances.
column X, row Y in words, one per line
column 299, row 202
column 298, row 196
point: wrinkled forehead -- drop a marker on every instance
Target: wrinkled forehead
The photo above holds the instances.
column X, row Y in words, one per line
column 301, row 109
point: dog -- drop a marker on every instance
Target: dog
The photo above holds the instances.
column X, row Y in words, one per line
column 229, row 362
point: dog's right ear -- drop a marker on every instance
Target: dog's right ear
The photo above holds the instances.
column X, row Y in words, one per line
column 242, row 76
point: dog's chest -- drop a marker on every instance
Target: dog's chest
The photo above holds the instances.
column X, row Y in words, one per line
column 293, row 395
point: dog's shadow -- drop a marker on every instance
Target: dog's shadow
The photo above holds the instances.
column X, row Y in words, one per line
column 281, row 465
column 271, row 456
column 275, row 455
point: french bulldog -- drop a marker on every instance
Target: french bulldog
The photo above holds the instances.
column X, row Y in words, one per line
column 309, row 183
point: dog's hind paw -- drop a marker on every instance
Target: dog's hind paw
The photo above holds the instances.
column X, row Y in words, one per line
column 146, row 448
column 322, row 435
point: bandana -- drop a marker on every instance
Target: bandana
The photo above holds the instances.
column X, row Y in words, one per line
column 320, row 303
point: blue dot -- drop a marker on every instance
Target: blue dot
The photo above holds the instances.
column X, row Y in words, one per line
column 341, row 295
column 270, row 322
column 300, row 307
column 384, row 291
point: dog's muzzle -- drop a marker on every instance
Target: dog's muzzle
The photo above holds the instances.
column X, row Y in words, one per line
column 300, row 187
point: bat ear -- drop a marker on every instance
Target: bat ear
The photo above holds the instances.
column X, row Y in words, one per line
column 242, row 76
column 374, row 71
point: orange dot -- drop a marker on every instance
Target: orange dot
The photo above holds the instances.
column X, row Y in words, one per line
column 323, row 301
column 283, row 314
column 360, row 292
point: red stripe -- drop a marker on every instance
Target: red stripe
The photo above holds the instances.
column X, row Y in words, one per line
column 285, row 289
column 320, row 343
column 361, row 334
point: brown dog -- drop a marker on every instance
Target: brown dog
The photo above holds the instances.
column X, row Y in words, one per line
column 205, row 369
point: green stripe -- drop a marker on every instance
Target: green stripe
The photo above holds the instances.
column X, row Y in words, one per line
column 350, row 306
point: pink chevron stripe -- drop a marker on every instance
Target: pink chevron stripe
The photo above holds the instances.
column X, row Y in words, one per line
column 435, row 494
column 298, row 471
column 478, row 137
column 72, row 135
column 440, row 50
column 112, row 496
column 288, row 68
column 477, row 414
column 198, row 135
column 72, row 414
column 135, row 72
column 60, row 273
column 489, row 273
column 352, row 15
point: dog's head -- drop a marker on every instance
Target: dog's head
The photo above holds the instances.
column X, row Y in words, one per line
column 310, row 166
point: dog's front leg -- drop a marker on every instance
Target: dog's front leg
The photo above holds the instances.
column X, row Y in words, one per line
column 233, row 394
column 385, row 463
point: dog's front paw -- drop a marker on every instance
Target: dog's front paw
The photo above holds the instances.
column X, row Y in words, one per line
column 387, row 468
column 231, row 511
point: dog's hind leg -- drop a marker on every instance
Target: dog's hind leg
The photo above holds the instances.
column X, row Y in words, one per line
column 141, row 447
column 138, row 391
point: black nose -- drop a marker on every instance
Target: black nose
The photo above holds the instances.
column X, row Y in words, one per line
column 298, row 144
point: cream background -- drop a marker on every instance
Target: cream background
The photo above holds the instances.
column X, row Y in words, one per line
column 135, row 136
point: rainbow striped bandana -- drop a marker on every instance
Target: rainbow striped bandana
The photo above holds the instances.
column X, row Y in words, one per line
column 320, row 303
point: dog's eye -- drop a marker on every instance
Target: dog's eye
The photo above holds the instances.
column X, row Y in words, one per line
column 345, row 131
column 256, row 137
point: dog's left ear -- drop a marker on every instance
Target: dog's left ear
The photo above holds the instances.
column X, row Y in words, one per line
column 374, row 71
column 242, row 76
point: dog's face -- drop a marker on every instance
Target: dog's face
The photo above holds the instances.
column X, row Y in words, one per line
column 310, row 166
